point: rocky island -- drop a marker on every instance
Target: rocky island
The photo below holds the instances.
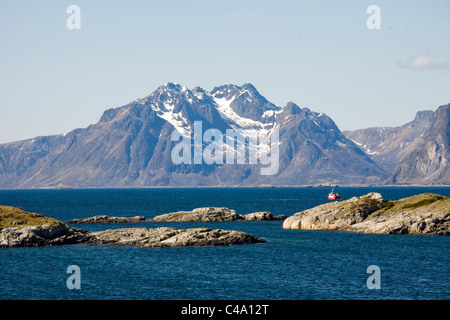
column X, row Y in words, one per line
column 108, row 219
column 426, row 213
column 172, row 237
column 215, row 214
column 19, row 228
column 420, row 214
column 206, row 214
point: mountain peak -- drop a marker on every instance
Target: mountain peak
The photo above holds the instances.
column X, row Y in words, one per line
column 172, row 86
column 226, row 89
column 424, row 115
column 250, row 87
column 244, row 100
column 132, row 145
column 292, row 108
column 232, row 90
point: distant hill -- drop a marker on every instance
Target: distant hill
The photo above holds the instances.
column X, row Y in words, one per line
column 429, row 161
column 415, row 153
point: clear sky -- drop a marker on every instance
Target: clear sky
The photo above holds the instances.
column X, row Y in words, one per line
column 318, row 54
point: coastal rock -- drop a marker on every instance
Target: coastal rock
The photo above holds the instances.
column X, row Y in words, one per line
column 46, row 235
column 263, row 216
column 108, row 219
column 374, row 196
column 334, row 215
column 19, row 228
column 207, row 214
column 421, row 214
column 172, row 237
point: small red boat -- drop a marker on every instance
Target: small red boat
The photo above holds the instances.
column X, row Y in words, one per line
column 333, row 195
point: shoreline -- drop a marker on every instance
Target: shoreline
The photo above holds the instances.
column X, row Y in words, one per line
column 229, row 187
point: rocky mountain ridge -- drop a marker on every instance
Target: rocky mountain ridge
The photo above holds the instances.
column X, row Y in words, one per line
column 417, row 153
column 131, row 146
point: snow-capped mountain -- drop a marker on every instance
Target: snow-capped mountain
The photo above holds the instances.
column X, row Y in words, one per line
column 131, row 146
column 244, row 105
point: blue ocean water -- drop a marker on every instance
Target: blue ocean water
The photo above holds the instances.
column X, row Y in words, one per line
column 293, row 264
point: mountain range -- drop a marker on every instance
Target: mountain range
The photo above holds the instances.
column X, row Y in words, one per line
column 132, row 146
column 416, row 153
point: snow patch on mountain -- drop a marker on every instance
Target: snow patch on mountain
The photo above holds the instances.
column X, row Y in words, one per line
column 175, row 119
column 227, row 113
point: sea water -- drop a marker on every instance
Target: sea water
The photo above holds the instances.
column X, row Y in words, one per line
column 293, row 264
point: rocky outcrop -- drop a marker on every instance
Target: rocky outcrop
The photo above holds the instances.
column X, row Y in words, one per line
column 45, row 235
column 19, row 228
column 206, row 214
column 215, row 214
column 108, row 219
column 421, row 214
column 172, row 237
column 263, row 216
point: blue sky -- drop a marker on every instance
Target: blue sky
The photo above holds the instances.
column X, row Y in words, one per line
column 318, row 54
